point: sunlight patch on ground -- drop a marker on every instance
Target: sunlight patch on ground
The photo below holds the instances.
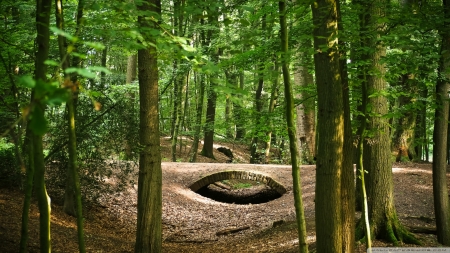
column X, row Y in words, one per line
column 409, row 170
column 309, row 239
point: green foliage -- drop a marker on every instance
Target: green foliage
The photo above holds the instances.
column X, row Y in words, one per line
column 9, row 169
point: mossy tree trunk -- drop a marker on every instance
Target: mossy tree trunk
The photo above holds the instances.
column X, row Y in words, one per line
column 330, row 117
column 149, row 207
column 377, row 156
column 348, row 174
column 292, row 131
column 403, row 141
column 43, row 10
column 69, row 194
column 72, row 146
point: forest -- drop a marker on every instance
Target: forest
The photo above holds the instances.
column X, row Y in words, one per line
column 322, row 121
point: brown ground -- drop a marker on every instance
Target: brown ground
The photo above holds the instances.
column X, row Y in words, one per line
column 190, row 221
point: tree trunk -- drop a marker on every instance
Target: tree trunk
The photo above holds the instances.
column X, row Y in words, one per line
column 440, row 190
column 198, row 120
column 131, row 97
column 330, row 119
column 238, row 110
column 421, row 125
column 377, row 157
column 69, row 194
column 149, row 207
column 207, row 150
column 199, row 108
column 231, row 81
column 43, row 9
column 73, row 164
column 292, row 132
column 306, row 111
column 405, row 129
column 348, row 174
column 273, row 100
column 255, row 156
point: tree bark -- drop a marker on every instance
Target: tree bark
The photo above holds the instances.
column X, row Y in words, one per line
column 74, row 208
column 207, row 150
column 273, row 100
column 292, row 132
column 43, row 10
column 440, row 190
column 405, row 129
column 306, row 111
column 348, row 174
column 330, row 127
column 238, row 110
column 149, row 208
column 69, row 194
column 377, row 157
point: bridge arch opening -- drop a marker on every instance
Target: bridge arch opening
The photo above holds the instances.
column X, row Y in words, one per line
column 239, row 187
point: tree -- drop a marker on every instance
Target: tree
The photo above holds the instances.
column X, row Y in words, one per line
column 330, row 119
column 37, row 124
column 292, row 131
column 148, row 235
column 214, row 53
column 440, row 191
column 72, row 177
column 382, row 214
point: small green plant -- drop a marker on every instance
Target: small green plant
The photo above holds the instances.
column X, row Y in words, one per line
column 242, row 185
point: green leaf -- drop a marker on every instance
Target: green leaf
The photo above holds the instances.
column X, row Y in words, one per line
column 82, row 72
column 248, row 8
column 57, row 97
column 64, row 34
column 95, row 45
column 27, row 81
column 38, row 123
column 244, row 22
column 51, row 63
column 99, row 69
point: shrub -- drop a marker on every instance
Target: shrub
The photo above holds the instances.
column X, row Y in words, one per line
column 9, row 171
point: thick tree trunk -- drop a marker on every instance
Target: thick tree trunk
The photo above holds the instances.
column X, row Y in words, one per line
column 149, row 208
column 377, row 157
column 348, row 174
column 306, row 111
column 330, row 127
column 43, row 10
column 440, row 190
column 405, row 129
column 292, row 132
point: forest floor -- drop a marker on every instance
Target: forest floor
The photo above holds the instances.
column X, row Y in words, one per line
column 193, row 223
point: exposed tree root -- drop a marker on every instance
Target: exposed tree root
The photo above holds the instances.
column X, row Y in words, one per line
column 391, row 231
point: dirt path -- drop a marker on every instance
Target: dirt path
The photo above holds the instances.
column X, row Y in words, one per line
column 190, row 221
